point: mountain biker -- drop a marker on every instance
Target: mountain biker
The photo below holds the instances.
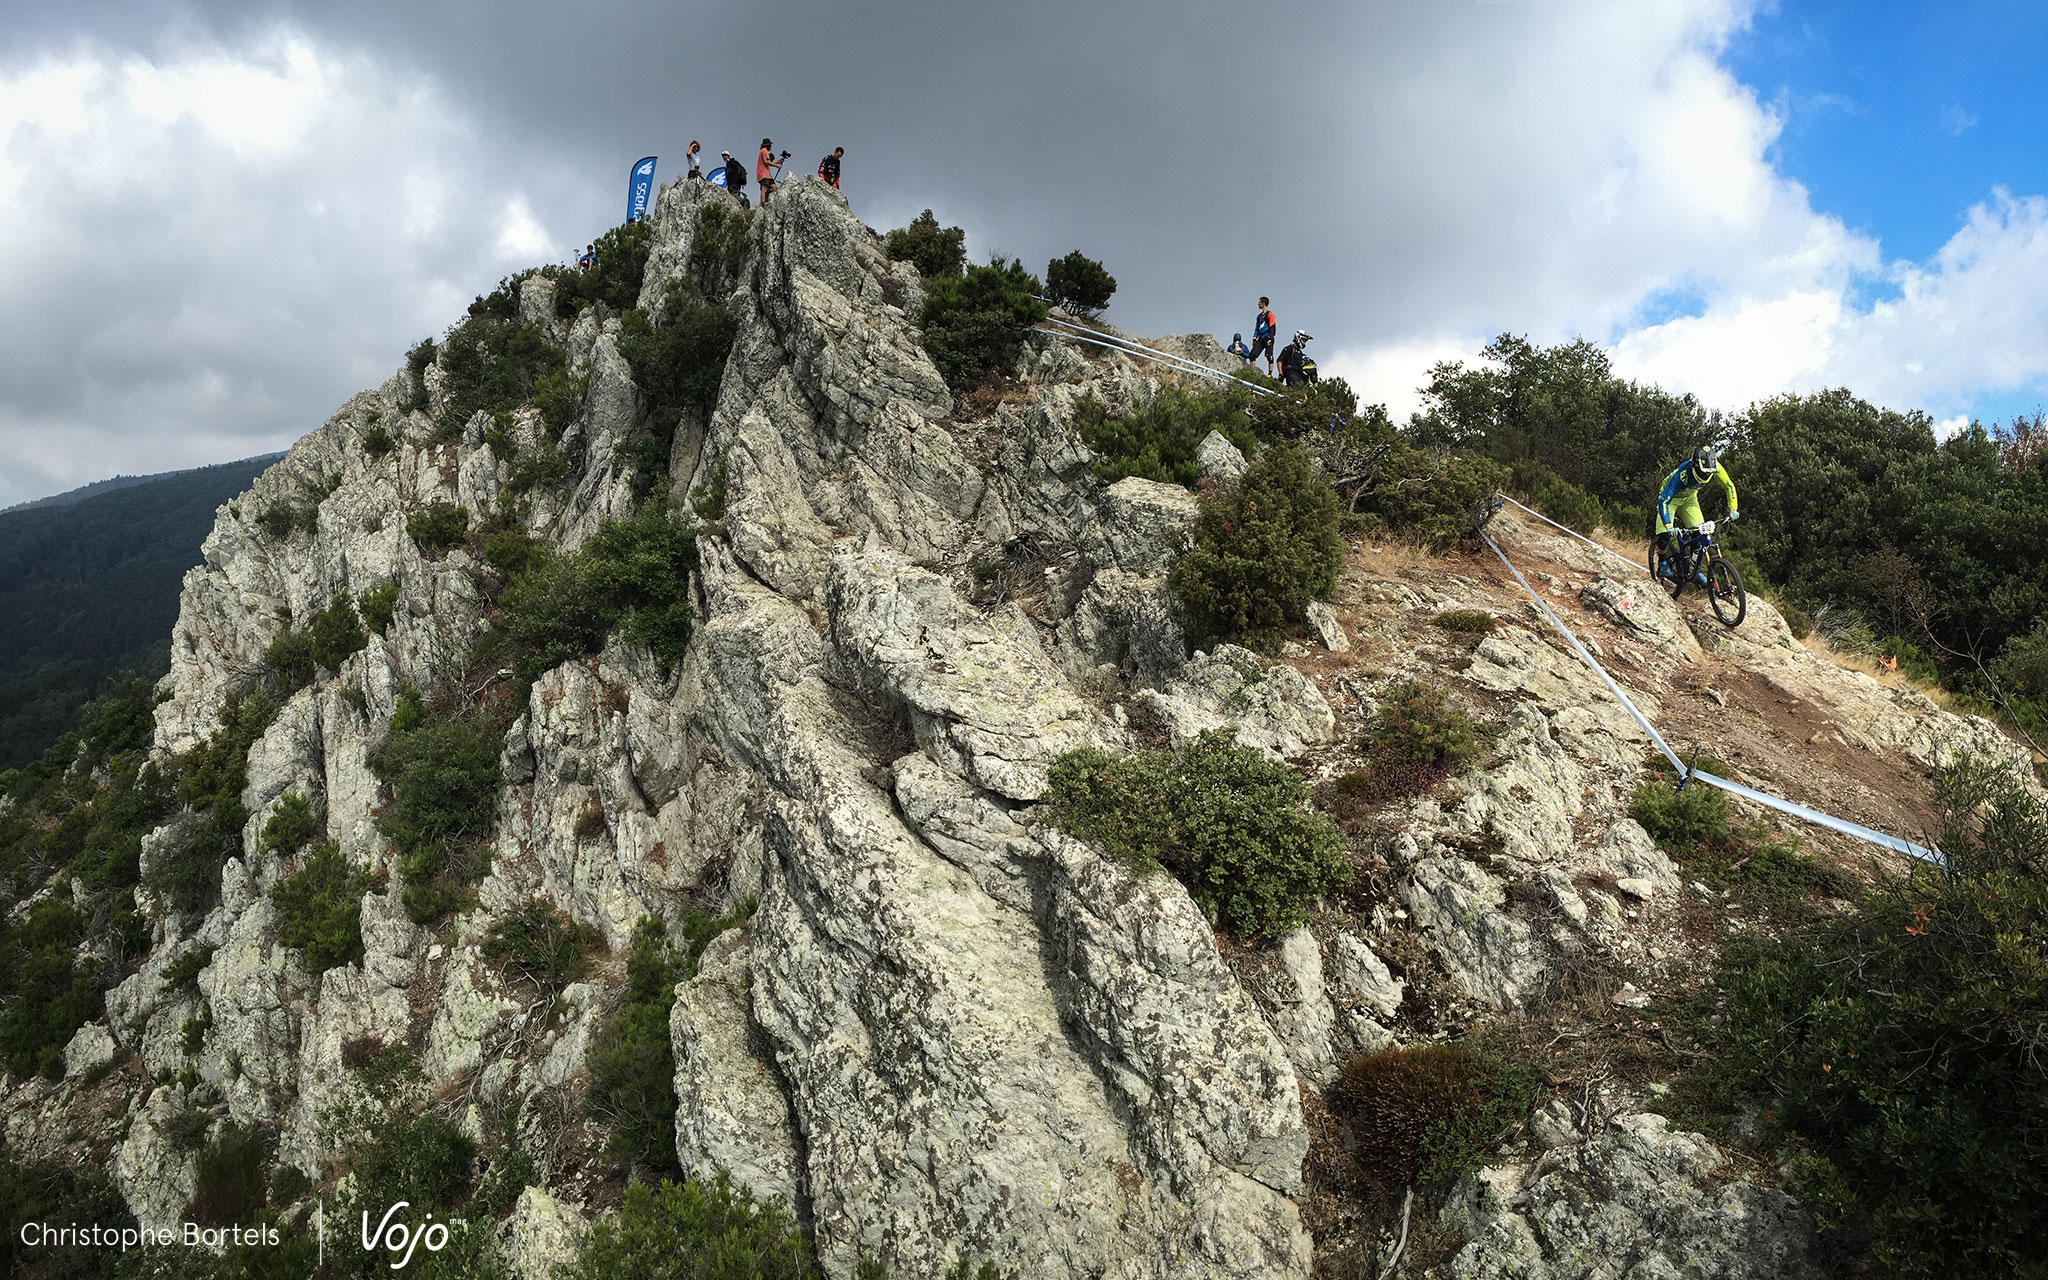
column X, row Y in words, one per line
column 1678, row 502
column 1291, row 357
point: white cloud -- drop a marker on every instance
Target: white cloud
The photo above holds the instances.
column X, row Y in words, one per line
column 215, row 246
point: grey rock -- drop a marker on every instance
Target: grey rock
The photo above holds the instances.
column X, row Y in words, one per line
column 1362, row 979
column 1272, row 706
column 1148, row 523
column 1304, row 1022
column 90, row 1048
column 1327, row 628
column 156, row 1178
column 1220, row 460
column 1460, row 909
column 1633, row 1200
column 731, row 1113
column 542, row 1235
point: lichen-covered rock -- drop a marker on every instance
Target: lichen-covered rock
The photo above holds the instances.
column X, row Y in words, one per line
column 1271, row 705
column 90, row 1048
column 1330, row 631
column 542, row 1235
column 1220, row 460
column 155, row 1176
column 1149, row 523
column 1633, row 1200
column 731, row 1113
column 1460, row 909
column 1304, row 1022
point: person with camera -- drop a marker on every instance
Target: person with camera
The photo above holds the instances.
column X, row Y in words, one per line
column 766, row 168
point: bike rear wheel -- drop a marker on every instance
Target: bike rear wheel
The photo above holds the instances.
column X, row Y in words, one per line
column 1724, row 589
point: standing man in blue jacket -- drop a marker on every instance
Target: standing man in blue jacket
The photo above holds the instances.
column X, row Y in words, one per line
column 1263, row 332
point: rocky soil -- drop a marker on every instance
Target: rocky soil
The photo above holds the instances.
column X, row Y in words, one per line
column 947, row 1030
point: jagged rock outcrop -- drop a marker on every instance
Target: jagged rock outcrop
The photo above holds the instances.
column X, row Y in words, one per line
column 945, row 1030
column 1632, row 1200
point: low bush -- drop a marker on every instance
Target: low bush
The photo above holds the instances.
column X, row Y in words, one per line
column 491, row 365
column 320, row 909
column 1557, row 497
column 185, row 969
column 1079, row 283
column 57, row 1191
column 377, row 440
column 718, row 252
column 632, row 1069
column 974, row 323
column 184, row 872
column 282, row 518
column 1231, row 825
column 438, row 527
column 377, row 606
column 52, row 992
column 694, row 1231
column 1900, row 1045
column 417, row 359
column 1432, row 1113
column 1694, row 827
column 230, row 1176
column 615, row 281
column 1159, row 441
column 559, row 397
column 542, row 945
column 444, row 776
column 678, row 361
column 934, row 250
column 1471, row 621
column 290, row 825
column 1262, row 553
column 1415, row 739
column 632, row 574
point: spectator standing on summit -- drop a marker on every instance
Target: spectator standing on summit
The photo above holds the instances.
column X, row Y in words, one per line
column 765, row 169
column 690, row 157
column 1263, row 333
column 828, row 168
column 735, row 178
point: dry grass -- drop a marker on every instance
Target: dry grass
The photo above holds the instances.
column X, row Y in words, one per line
column 1389, row 556
column 1818, row 645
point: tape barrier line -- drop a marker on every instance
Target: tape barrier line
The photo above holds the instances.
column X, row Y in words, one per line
column 1114, row 342
column 1571, row 532
column 1831, row 822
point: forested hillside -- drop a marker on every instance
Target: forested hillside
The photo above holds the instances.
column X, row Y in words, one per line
column 90, row 588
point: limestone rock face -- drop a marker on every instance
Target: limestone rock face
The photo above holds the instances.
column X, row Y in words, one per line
column 731, row 1113
column 1633, row 1200
column 1272, row 706
column 1221, row 460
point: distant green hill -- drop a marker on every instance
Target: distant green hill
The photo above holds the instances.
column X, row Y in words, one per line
column 89, row 588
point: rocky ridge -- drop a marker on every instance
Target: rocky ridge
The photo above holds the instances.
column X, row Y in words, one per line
column 945, row 1030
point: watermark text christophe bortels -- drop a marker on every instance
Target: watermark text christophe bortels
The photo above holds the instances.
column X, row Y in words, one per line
column 400, row 1239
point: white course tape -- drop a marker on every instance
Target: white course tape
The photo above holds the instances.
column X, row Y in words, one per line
column 1800, row 811
column 1115, row 342
column 1572, row 532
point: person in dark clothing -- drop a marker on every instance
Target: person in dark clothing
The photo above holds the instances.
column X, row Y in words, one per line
column 735, row 178
column 828, row 168
column 1291, row 357
column 1263, row 335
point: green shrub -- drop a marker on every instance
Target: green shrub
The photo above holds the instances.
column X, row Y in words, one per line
column 320, row 909
column 1436, row 499
column 542, row 945
column 1319, row 415
column 417, row 359
column 1681, row 821
column 491, row 365
column 1414, row 740
column 281, row 519
column 1160, row 440
column 186, row 968
column 621, row 270
column 1694, row 827
column 444, row 775
column 295, row 658
column 185, row 871
column 57, row 1191
column 1901, row 1043
column 1556, row 497
column 933, row 250
column 1263, row 552
column 511, row 551
column 631, row 574
column 718, row 252
column 377, row 440
column 1432, row 1113
column 378, row 605
column 1231, row 825
column 632, row 1071
column 230, row 1176
column 1079, row 283
column 290, row 825
column 694, row 1231
column 974, row 324
column 1472, row 621
column 678, row 361
column 538, row 468
column 438, row 527
column 53, row 993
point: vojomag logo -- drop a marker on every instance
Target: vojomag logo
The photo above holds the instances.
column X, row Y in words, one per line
column 402, row 1238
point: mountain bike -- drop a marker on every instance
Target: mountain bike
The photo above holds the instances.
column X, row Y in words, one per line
column 1699, row 561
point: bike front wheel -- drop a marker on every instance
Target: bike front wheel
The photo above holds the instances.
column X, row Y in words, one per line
column 1724, row 589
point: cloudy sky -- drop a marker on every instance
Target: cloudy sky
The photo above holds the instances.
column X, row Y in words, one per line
column 226, row 218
